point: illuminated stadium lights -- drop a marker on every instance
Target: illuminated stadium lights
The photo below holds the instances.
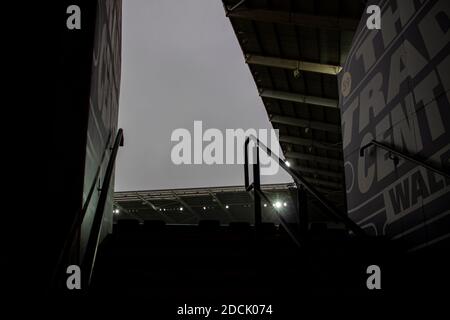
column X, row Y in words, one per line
column 277, row 204
column 116, row 211
column 204, row 208
column 226, row 207
column 181, row 208
column 265, row 205
column 285, row 204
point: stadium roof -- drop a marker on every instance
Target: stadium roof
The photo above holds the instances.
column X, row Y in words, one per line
column 294, row 49
column 189, row 206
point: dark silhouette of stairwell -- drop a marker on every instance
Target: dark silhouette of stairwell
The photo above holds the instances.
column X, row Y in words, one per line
column 286, row 265
column 167, row 266
column 236, row 263
column 293, row 267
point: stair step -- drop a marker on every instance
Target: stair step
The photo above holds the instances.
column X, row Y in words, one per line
column 157, row 260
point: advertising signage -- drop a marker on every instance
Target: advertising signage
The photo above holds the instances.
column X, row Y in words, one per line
column 395, row 88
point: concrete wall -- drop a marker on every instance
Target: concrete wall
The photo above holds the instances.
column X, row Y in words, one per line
column 103, row 109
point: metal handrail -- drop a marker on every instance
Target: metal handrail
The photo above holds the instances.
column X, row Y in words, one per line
column 404, row 155
column 300, row 181
column 94, row 236
column 79, row 217
column 74, row 228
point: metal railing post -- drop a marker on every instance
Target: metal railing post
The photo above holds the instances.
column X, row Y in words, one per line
column 257, row 187
column 299, row 180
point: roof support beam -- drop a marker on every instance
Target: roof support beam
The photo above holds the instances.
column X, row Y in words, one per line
column 318, row 125
column 292, row 64
column 320, row 172
column 152, row 205
column 293, row 18
column 309, row 143
column 184, row 204
column 229, row 9
column 122, row 209
column 310, row 157
column 146, row 202
column 221, row 205
column 296, row 97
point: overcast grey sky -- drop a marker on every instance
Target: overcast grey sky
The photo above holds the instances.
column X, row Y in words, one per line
column 180, row 62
